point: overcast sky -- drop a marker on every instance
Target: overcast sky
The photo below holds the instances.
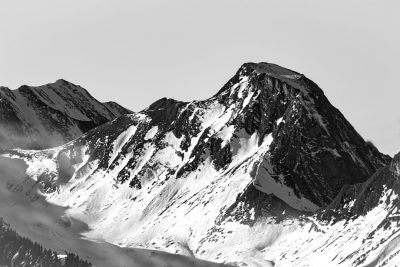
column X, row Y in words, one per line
column 137, row 52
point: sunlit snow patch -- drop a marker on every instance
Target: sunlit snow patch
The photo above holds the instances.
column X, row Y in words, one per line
column 151, row 133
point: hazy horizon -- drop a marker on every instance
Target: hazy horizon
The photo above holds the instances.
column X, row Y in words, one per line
column 137, row 52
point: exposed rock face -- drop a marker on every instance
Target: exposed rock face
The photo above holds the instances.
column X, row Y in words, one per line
column 50, row 115
column 359, row 228
column 315, row 150
column 193, row 178
column 382, row 188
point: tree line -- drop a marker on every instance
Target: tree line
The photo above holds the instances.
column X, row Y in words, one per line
column 16, row 251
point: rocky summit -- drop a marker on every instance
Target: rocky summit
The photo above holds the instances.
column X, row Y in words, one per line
column 264, row 173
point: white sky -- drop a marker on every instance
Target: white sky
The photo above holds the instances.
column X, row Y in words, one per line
column 137, row 52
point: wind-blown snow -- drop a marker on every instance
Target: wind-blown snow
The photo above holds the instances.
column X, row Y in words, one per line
column 226, row 134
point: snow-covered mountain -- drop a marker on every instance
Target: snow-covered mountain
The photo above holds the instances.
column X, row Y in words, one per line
column 50, row 115
column 359, row 228
column 252, row 175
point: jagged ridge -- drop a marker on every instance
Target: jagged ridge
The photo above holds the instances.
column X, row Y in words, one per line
column 50, row 115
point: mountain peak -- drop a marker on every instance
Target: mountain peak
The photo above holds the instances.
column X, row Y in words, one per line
column 50, row 114
column 56, row 84
column 273, row 70
column 265, row 73
column 62, row 81
column 266, row 94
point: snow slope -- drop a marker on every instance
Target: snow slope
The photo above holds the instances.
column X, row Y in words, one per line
column 52, row 226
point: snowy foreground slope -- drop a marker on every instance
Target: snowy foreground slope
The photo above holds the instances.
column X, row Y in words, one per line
column 50, row 115
column 32, row 216
column 265, row 172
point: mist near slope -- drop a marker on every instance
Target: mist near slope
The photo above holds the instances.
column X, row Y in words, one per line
column 10, row 139
column 26, row 209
